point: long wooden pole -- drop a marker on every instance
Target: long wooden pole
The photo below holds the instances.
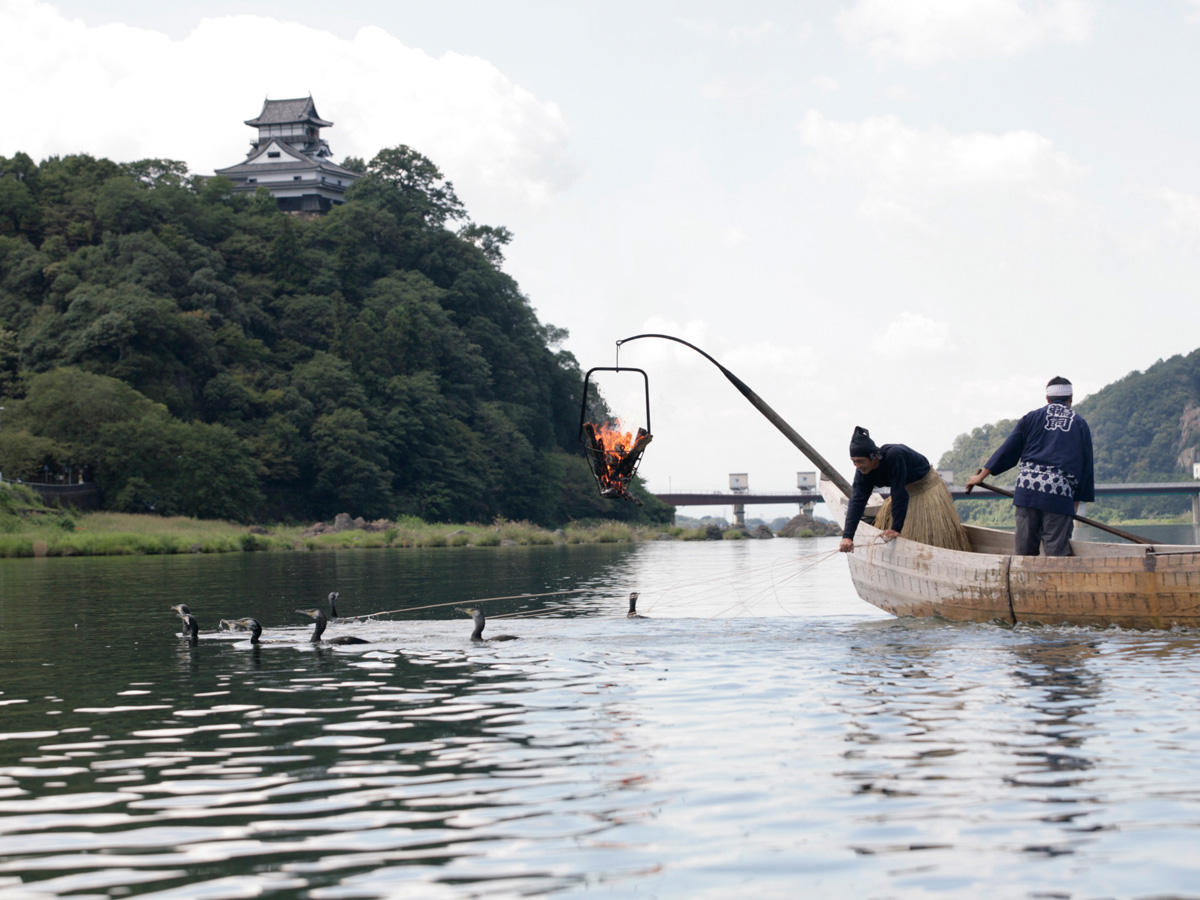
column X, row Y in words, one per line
column 1134, row 538
column 773, row 417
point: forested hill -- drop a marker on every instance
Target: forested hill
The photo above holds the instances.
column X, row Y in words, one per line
column 1145, row 427
column 198, row 352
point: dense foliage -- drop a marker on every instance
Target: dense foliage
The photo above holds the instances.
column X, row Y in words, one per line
column 195, row 351
column 1145, row 428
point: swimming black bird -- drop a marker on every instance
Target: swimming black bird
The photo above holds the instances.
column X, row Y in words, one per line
column 633, row 613
column 320, row 622
column 333, row 595
column 191, row 628
column 249, row 624
column 480, row 621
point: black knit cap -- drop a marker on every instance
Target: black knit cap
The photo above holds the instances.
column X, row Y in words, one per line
column 861, row 443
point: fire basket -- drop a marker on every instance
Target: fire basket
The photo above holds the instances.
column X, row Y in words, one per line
column 614, row 446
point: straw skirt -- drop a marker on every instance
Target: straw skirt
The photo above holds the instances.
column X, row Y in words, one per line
column 932, row 518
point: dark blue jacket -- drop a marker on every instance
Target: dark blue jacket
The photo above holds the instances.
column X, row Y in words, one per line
column 898, row 465
column 1054, row 447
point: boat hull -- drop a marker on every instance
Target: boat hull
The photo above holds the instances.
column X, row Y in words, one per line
column 1128, row 585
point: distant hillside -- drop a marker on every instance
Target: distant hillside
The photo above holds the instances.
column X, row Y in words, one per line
column 1145, row 427
column 194, row 351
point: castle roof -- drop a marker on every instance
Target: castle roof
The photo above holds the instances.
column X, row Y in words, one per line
column 282, row 112
column 291, row 160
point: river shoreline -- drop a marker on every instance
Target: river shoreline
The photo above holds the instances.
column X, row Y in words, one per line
column 127, row 534
column 29, row 529
column 124, row 534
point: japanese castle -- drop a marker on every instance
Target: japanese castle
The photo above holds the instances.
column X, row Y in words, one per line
column 291, row 159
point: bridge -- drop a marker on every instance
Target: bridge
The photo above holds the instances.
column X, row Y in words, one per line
column 741, row 499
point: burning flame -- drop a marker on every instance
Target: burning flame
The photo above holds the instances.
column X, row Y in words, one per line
column 612, row 438
column 614, row 454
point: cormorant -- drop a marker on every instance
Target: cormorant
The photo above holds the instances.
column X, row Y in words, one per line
column 480, row 621
column 319, row 623
column 333, row 595
column 248, row 624
column 191, row 628
column 633, row 613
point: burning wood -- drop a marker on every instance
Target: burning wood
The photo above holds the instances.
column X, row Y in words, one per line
column 614, row 456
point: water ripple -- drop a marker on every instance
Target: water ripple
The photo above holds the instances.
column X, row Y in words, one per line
column 714, row 750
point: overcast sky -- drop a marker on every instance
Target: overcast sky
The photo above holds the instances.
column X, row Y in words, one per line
column 905, row 215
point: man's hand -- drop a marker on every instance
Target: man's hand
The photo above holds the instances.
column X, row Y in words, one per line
column 847, row 545
column 977, row 478
column 890, row 535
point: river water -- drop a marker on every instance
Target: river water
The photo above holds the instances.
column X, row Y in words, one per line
column 762, row 733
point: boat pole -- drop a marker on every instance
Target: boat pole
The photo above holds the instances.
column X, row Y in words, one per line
column 773, row 417
column 1132, row 538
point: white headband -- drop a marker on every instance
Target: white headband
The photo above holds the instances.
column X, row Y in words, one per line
column 1059, row 390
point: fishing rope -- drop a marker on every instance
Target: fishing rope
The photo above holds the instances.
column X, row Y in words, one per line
column 390, row 612
column 773, row 586
column 744, row 600
column 665, row 601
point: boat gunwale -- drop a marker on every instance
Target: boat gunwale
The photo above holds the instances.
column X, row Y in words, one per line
column 1102, row 585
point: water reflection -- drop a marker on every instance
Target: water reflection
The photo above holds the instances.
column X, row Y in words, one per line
column 763, row 729
column 1062, row 690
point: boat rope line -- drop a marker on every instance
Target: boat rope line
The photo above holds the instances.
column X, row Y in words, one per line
column 667, row 597
column 390, row 612
column 746, row 590
column 809, row 561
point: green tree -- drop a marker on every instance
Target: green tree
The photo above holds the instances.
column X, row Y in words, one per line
column 488, row 239
column 410, row 184
column 350, row 466
column 18, row 209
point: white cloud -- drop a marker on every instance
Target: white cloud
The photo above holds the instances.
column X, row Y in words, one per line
column 927, row 32
column 904, row 170
column 825, row 83
column 736, row 34
column 884, row 149
column 910, row 335
column 1182, row 212
column 733, row 236
column 899, row 93
column 501, row 146
column 733, row 89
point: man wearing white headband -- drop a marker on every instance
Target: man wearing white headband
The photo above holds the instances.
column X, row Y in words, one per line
column 1053, row 445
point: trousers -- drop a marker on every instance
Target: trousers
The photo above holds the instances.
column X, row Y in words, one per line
column 1037, row 528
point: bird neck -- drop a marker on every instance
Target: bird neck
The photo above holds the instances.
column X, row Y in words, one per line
column 318, row 628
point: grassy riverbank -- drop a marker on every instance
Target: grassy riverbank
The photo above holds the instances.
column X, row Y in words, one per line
column 30, row 529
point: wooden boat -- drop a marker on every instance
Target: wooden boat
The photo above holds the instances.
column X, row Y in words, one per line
column 1130, row 585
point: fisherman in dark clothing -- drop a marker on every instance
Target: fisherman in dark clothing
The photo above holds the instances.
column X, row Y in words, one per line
column 1054, row 447
column 906, row 472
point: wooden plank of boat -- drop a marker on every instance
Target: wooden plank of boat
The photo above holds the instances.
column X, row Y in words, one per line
column 1129, row 585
